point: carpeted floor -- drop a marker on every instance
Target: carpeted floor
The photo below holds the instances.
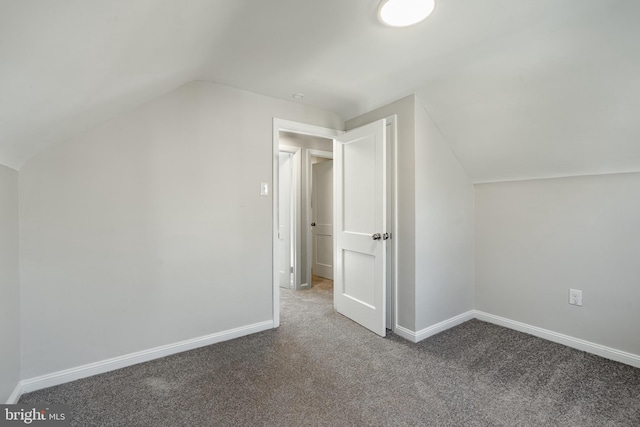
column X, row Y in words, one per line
column 320, row 368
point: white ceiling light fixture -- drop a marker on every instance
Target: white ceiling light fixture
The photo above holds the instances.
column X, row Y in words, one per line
column 403, row 13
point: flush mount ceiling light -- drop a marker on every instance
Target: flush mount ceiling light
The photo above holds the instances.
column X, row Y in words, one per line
column 402, row 13
column 298, row 95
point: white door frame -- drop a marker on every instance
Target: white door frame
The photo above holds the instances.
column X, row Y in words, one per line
column 294, row 242
column 311, row 153
column 305, row 129
column 392, row 223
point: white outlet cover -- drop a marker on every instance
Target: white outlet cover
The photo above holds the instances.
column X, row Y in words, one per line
column 575, row 297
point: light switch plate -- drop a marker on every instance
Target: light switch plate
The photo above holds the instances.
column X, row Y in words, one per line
column 264, row 188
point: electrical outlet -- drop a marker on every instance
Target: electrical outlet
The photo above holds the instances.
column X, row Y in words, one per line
column 575, row 297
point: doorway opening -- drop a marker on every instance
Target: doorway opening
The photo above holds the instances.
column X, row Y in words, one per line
column 304, row 200
column 308, row 242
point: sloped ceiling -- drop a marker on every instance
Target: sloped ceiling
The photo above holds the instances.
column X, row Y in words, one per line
column 520, row 89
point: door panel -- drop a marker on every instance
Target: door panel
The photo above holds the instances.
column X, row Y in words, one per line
column 357, row 277
column 359, row 176
column 360, row 187
column 322, row 217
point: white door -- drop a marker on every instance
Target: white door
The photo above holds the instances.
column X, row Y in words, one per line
column 322, row 218
column 284, row 221
column 360, row 220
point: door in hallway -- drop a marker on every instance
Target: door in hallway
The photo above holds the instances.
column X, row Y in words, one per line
column 322, row 219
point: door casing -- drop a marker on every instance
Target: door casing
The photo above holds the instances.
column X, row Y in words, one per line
column 286, row 234
column 295, row 212
column 281, row 125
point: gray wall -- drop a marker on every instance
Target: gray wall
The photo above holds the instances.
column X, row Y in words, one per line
column 405, row 111
column 536, row 239
column 150, row 229
column 305, row 142
column 9, row 283
column 444, row 228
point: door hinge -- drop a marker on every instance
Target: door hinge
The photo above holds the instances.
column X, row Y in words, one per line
column 291, row 269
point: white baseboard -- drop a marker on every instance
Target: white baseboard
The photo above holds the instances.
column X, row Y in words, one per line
column 433, row 329
column 443, row 326
column 589, row 347
column 96, row 368
column 405, row 333
column 15, row 395
column 67, row 375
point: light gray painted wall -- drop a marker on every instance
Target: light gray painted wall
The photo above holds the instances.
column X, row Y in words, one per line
column 305, row 142
column 444, row 228
column 405, row 111
column 536, row 239
column 9, row 283
column 150, row 229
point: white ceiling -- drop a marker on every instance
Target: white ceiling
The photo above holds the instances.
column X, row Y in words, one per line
column 520, row 89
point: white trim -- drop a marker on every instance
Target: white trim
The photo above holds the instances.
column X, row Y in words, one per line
column 444, row 325
column 15, row 394
column 305, row 129
column 433, row 329
column 577, row 343
column 561, row 176
column 392, row 175
column 295, row 238
column 589, row 347
column 67, row 375
column 405, row 333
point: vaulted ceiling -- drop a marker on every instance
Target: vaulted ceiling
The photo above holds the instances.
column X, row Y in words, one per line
column 520, row 89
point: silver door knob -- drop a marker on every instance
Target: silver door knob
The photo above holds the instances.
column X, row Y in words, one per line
column 376, row 236
column 313, row 224
column 386, row 236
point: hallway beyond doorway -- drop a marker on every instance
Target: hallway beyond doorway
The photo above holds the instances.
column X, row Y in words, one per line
column 321, row 283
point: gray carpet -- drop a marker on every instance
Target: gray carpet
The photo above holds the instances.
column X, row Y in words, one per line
column 320, row 368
